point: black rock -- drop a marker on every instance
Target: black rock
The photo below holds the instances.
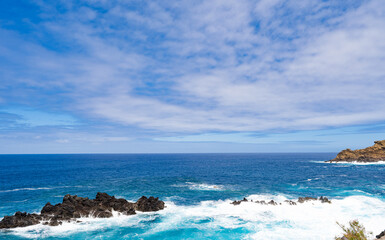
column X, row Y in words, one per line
column 74, row 207
column 324, row 200
column 150, row 204
column 290, row 202
column 20, row 219
column 305, row 199
column 382, row 234
column 239, row 202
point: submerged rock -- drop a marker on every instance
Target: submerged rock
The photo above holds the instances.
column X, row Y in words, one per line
column 374, row 153
column 74, row 207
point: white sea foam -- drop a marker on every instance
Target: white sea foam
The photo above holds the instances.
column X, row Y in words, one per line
column 314, row 161
column 364, row 163
column 310, row 220
column 85, row 225
column 353, row 163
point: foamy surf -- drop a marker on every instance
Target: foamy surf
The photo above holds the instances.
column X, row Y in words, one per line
column 88, row 224
column 353, row 163
column 310, row 220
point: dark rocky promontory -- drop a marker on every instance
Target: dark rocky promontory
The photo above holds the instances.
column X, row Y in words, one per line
column 374, row 153
column 74, row 207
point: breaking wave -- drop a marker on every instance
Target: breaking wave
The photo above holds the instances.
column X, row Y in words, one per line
column 220, row 219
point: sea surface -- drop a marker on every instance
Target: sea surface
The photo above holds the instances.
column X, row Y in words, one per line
column 197, row 189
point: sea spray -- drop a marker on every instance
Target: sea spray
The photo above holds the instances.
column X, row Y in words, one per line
column 310, row 220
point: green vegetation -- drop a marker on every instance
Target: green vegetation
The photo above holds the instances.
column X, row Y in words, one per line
column 355, row 232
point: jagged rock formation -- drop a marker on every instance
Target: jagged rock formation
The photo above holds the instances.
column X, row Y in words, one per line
column 74, row 207
column 290, row 202
column 374, row 153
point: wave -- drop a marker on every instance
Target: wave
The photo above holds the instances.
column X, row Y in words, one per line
column 310, row 220
column 26, row 189
column 37, row 188
column 201, row 186
column 83, row 225
column 312, row 179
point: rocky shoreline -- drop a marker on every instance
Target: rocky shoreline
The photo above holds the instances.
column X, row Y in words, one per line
column 74, row 207
column 375, row 153
column 290, row 202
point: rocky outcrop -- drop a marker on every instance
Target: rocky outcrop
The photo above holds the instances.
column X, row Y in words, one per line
column 374, row 153
column 381, row 235
column 150, row 204
column 290, row 202
column 240, row 201
column 74, row 207
column 306, row 199
column 324, row 200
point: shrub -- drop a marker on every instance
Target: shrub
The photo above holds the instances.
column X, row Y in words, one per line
column 355, row 231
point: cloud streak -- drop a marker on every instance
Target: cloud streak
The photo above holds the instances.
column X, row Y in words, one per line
column 205, row 66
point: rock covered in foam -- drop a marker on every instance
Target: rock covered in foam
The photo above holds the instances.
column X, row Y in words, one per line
column 322, row 199
column 375, row 153
column 74, row 207
column 306, row 199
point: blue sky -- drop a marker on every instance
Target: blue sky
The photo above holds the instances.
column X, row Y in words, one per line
column 133, row 76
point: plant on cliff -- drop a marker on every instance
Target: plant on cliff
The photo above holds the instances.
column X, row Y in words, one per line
column 355, row 231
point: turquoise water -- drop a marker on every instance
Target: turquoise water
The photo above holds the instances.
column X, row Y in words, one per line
column 197, row 189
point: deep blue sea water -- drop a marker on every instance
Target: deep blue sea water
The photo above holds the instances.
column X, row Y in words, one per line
column 197, row 189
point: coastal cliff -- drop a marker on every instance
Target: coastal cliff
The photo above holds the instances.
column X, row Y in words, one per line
column 374, row 153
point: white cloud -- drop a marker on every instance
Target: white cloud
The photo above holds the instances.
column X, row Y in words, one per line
column 62, row 141
column 223, row 65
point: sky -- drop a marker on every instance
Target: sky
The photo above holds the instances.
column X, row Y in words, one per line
column 191, row 76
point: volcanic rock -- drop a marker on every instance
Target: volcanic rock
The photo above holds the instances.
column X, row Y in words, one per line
column 239, row 202
column 305, row 199
column 324, row 200
column 374, row 153
column 381, row 235
column 74, row 207
column 150, row 204
column 290, row 202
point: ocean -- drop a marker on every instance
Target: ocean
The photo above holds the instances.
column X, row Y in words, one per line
column 197, row 190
